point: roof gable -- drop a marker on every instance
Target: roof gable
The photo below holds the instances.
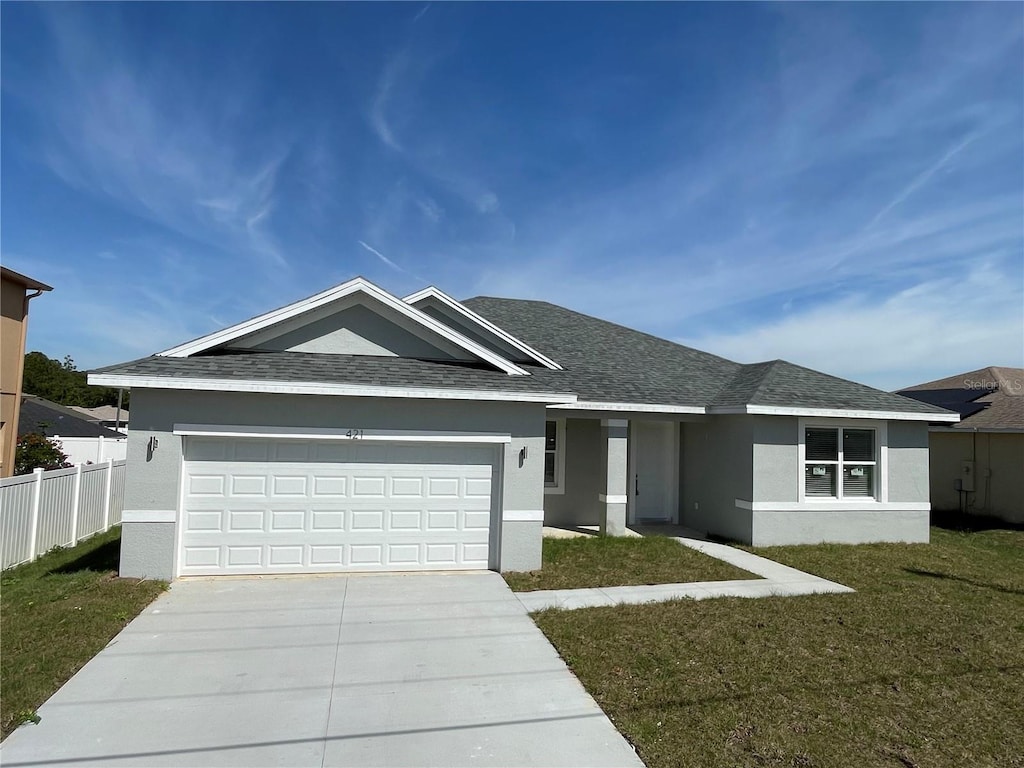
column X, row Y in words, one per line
column 988, row 398
column 329, row 322
column 458, row 316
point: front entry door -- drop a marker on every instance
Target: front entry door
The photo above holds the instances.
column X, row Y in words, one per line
column 655, row 462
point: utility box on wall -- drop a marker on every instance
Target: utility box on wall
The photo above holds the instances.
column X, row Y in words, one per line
column 967, row 476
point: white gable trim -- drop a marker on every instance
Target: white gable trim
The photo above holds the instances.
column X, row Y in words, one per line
column 320, row 388
column 436, row 293
column 328, row 433
column 835, row 413
column 589, row 405
column 356, row 285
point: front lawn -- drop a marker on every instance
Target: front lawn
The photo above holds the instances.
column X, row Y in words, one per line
column 57, row 613
column 619, row 561
column 922, row 666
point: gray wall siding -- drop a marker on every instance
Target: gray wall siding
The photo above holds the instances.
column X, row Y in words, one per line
column 854, row 526
column 998, row 482
column 716, row 470
column 521, row 544
column 776, row 458
column 354, row 331
column 579, row 504
column 153, row 480
column 908, row 461
column 147, row 550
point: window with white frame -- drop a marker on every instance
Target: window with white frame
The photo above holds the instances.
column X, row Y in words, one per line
column 840, row 463
column 554, row 456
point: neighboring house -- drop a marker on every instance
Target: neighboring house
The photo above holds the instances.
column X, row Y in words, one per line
column 354, row 430
column 977, row 465
column 15, row 293
column 82, row 440
column 109, row 416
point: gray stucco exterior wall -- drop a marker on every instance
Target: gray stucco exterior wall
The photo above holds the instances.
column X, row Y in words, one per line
column 578, row 503
column 153, row 478
column 908, row 461
column 776, row 455
column 717, row 469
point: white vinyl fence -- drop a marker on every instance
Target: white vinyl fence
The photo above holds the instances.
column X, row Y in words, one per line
column 58, row 508
column 85, row 450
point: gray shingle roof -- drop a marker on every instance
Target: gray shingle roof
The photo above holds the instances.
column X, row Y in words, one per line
column 602, row 362
column 989, row 398
column 337, row 369
column 43, row 417
column 609, row 362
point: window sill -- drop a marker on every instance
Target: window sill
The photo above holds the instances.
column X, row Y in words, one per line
column 834, row 505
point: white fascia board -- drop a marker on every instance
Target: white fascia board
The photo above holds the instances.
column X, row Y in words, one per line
column 327, row 433
column 833, row 413
column 979, row 430
column 436, row 293
column 320, row 388
column 589, row 405
column 356, row 285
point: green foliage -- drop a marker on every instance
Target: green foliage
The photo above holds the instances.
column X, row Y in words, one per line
column 35, row 450
column 61, row 382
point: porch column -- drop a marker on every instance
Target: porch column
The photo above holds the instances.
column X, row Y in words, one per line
column 614, row 450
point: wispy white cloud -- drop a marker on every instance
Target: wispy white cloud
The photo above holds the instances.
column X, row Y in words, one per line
column 144, row 138
column 922, row 178
column 386, row 260
column 960, row 321
column 386, row 84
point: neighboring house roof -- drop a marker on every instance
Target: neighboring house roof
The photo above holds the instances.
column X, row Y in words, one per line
column 102, row 413
column 604, row 366
column 43, row 417
column 989, row 399
column 28, row 282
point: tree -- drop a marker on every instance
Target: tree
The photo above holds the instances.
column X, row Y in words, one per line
column 35, row 450
column 61, row 382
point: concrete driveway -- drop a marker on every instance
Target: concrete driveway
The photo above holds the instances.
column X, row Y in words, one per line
column 392, row 670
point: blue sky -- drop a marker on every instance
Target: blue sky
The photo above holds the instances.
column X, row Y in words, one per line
column 837, row 185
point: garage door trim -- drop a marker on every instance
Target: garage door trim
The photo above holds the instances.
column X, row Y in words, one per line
column 346, row 433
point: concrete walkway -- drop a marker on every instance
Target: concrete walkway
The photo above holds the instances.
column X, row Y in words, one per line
column 777, row 580
column 397, row 670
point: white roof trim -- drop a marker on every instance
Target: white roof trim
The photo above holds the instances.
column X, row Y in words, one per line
column 330, row 433
column 589, row 405
column 835, row 413
column 436, row 293
column 966, row 430
column 356, row 285
column 319, row 388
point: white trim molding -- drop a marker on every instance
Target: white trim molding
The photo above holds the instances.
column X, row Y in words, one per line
column 593, row 405
column 522, row 515
column 354, row 434
column 318, row 388
column 149, row 516
column 605, row 498
column 432, row 292
column 833, row 413
column 355, row 286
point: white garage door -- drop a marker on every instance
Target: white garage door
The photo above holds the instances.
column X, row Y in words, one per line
column 289, row 506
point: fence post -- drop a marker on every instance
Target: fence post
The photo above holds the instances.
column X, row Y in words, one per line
column 76, row 498
column 37, row 496
column 101, row 456
column 106, row 494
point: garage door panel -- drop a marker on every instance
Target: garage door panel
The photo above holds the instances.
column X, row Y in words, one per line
column 282, row 507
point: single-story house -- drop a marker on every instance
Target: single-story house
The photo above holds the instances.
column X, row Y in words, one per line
column 109, row 416
column 82, row 440
column 977, row 464
column 356, row 431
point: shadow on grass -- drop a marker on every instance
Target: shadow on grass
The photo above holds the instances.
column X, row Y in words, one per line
column 959, row 521
column 106, row 557
column 972, row 582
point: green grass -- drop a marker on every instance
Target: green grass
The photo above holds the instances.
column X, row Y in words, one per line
column 57, row 613
column 923, row 666
column 614, row 561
